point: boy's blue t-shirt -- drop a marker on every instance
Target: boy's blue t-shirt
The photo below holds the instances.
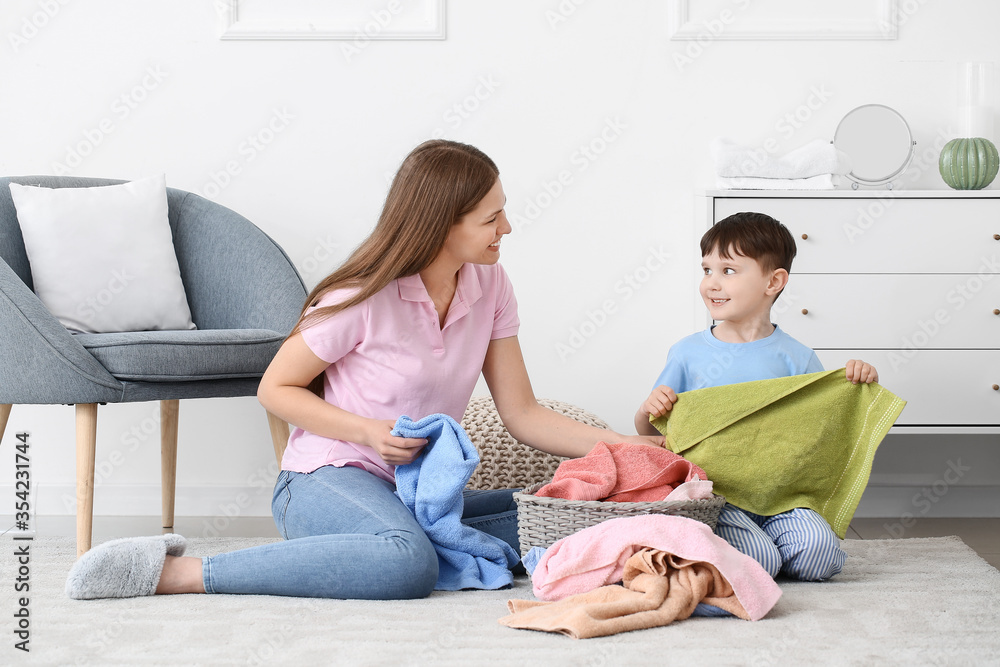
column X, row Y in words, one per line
column 701, row 360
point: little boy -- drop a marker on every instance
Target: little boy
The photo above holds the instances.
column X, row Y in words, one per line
column 746, row 259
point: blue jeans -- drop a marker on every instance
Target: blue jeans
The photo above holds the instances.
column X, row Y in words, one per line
column 347, row 535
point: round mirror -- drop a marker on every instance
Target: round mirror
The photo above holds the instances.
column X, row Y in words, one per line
column 878, row 141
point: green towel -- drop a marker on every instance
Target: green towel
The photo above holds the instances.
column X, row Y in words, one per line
column 773, row 445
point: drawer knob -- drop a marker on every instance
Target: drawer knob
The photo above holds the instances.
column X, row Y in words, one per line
column 996, row 387
column 996, row 237
column 805, row 311
column 996, row 311
column 805, row 236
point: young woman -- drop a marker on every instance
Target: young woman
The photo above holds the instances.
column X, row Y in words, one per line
column 405, row 326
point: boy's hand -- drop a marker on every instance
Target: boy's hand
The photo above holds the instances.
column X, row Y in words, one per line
column 860, row 371
column 657, row 405
column 659, row 402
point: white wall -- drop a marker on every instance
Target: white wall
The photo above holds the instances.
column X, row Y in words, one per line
column 531, row 91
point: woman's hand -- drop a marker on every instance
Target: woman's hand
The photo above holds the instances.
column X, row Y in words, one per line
column 393, row 449
column 860, row 371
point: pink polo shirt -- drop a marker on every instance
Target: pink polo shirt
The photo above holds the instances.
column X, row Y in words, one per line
column 389, row 357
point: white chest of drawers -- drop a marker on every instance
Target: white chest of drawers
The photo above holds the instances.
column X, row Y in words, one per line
column 908, row 281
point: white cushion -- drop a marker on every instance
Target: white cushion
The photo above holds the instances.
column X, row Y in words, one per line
column 102, row 259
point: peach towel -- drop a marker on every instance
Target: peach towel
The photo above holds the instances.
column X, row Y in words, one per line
column 621, row 473
column 659, row 588
column 596, row 556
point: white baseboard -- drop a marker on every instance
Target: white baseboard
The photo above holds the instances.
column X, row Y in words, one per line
column 903, row 501
column 908, row 503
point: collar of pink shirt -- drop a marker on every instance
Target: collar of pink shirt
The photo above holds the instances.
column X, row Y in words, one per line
column 467, row 292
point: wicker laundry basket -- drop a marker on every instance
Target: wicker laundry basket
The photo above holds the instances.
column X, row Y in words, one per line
column 542, row 521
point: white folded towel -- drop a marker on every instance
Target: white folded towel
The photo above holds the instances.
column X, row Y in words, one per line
column 813, row 159
column 821, row 182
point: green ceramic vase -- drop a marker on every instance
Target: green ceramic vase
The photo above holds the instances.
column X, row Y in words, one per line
column 969, row 163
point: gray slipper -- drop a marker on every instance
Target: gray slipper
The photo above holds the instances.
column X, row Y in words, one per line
column 123, row 568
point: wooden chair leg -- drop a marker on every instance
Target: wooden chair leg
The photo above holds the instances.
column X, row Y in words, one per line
column 168, row 458
column 4, row 414
column 279, row 435
column 86, row 451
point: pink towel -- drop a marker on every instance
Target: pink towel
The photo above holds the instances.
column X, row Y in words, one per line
column 621, row 473
column 696, row 489
column 596, row 556
column 659, row 588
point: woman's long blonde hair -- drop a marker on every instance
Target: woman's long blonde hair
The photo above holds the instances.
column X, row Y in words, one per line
column 438, row 183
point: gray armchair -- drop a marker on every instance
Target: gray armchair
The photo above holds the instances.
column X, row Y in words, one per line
column 245, row 296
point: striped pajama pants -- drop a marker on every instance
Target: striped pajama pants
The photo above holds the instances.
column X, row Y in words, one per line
column 798, row 543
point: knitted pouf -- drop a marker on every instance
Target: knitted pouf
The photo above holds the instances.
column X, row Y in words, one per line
column 504, row 462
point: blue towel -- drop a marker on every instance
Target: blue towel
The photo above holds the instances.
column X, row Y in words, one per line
column 431, row 487
column 532, row 558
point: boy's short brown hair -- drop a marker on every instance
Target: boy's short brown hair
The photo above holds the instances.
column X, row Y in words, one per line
column 755, row 235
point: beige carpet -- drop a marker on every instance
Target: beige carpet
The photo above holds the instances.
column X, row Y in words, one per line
column 929, row 601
